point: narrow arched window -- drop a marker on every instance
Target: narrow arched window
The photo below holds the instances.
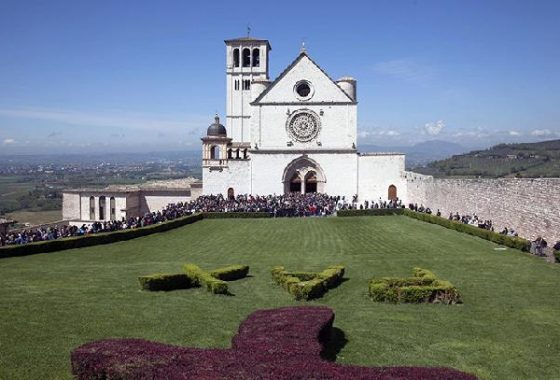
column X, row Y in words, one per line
column 91, row 208
column 392, row 196
column 102, row 208
column 256, row 57
column 235, row 57
column 113, row 208
column 246, row 57
column 215, row 153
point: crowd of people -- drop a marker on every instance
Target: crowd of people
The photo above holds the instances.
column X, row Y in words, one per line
column 287, row 205
column 473, row 220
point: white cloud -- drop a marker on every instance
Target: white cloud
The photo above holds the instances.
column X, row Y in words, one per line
column 541, row 132
column 378, row 132
column 8, row 141
column 477, row 132
column 434, row 128
column 405, row 69
column 514, row 133
column 109, row 119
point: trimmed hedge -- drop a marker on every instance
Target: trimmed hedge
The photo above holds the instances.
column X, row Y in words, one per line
column 122, row 235
column 557, row 256
column 308, row 285
column 236, row 215
column 95, row 239
column 280, row 344
column 162, row 281
column 371, row 212
column 508, row 241
column 423, row 287
column 202, row 278
column 230, row 273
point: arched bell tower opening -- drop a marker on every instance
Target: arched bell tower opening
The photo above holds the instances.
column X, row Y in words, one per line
column 303, row 175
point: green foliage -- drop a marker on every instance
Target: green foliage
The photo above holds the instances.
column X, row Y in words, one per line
column 236, row 215
column 69, row 298
column 308, row 285
column 95, row 239
column 508, row 241
column 423, row 287
column 112, row 237
column 230, row 273
column 528, row 160
column 202, row 278
column 557, row 256
column 371, row 212
column 162, row 281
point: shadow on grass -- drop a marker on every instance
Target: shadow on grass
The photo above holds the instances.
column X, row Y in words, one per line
column 333, row 344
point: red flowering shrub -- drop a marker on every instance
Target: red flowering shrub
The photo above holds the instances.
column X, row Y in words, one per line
column 271, row 344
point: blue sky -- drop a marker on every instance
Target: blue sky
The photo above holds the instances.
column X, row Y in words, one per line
column 94, row 76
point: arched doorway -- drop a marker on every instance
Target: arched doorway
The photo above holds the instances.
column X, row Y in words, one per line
column 230, row 193
column 392, row 196
column 295, row 183
column 311, row 182
column 303, row 175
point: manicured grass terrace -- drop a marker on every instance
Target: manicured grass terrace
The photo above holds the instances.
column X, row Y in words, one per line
column 507, row 327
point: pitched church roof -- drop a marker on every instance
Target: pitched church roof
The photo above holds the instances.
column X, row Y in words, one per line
column 301, row 55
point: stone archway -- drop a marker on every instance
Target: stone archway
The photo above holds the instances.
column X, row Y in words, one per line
column 311, row 182
column 303, row 175
column 295, row 184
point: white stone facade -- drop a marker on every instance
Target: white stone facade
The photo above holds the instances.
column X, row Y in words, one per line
column 302, row 136
column 118, row 202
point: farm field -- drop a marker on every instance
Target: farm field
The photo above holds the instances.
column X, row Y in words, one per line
column 35, row 217
column 507, row 327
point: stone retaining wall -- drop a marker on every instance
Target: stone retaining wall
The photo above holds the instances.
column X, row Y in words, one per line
column 530, row 206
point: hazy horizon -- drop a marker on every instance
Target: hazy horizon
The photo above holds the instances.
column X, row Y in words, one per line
column 81, row 77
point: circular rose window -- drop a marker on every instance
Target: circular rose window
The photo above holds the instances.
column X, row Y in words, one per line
column 303, row 126
column 303, row 90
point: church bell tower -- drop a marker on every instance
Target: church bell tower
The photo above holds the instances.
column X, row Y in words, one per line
column 246, row 61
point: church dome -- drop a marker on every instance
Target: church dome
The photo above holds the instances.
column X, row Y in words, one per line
column 216, row 129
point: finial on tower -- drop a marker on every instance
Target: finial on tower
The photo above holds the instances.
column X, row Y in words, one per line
column 248, row 30
column 217, row 119
column 303, row 49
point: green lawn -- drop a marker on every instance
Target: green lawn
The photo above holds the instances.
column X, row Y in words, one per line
column 507, row 328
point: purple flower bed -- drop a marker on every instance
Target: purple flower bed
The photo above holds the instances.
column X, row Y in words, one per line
column 280, row 343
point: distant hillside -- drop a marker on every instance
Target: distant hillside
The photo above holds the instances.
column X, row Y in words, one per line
column 527, row 160
column 421, row 153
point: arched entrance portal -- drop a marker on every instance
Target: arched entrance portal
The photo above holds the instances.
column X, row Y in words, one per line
column 295, row 184
column 392, row 193
column 303, row 175
column 311, row 182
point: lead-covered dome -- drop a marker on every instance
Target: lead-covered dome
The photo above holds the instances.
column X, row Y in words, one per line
column 216, row 129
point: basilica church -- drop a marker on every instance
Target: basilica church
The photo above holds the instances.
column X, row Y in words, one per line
column 297, row 133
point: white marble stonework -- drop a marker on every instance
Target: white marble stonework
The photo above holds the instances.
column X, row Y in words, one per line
column 298, row 133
